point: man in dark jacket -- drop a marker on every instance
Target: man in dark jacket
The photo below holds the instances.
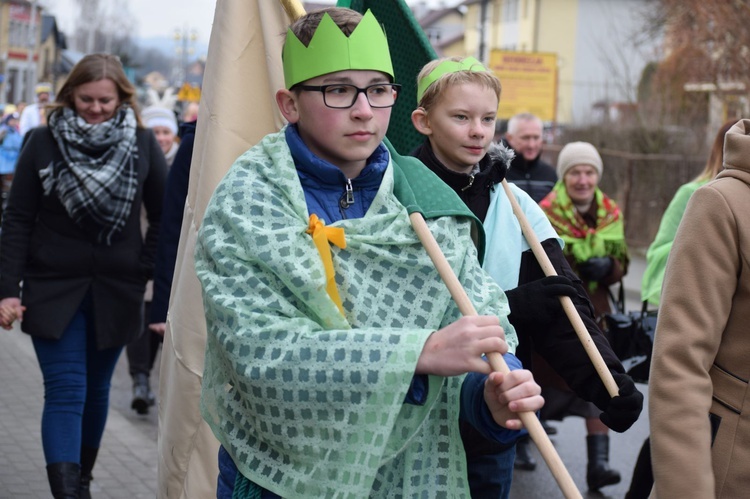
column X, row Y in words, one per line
column 527, row 170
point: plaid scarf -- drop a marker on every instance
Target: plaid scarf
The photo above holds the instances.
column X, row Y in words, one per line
column 96, row 181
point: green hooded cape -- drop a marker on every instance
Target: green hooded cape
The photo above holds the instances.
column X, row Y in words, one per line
column 310, row 403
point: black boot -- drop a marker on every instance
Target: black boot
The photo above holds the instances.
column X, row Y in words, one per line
column 524, row 460
column 64, row 480
column 88, row 458
column 598, row 473
column 143, row 397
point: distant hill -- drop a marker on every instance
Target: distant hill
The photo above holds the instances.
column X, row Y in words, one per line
column 167, row 45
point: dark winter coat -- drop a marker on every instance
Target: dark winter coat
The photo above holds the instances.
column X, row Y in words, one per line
column 52, row 263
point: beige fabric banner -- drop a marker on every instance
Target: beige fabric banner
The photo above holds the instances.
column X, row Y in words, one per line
column 237, row 108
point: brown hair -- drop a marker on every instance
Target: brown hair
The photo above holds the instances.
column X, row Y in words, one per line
column 432, row 95
column 346, row 19
column 715, row 161
column 96, row 67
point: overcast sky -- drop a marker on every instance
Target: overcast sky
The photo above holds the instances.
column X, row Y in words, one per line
column 154, row 17
column 161, row 17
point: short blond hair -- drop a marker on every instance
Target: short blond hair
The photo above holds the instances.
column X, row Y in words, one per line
column 432, row 94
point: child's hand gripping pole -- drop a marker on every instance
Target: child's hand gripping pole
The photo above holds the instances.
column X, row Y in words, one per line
column 497, row 363
column 565, row 301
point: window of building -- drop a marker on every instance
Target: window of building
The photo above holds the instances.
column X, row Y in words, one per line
column 17, row 34
column 510, row 10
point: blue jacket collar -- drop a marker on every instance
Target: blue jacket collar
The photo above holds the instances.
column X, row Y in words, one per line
column 325, row 173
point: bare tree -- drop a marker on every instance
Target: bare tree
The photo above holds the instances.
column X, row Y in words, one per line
column 706, row 43
column 120, row 23
column 715, row 35
column 104, row 26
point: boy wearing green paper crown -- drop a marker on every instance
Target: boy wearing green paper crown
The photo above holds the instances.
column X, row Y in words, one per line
column 457, row 104
column 337, row 363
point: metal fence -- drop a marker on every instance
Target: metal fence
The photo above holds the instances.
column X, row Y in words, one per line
column 642, row 185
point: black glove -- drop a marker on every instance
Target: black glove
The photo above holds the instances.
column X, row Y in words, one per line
column 595, row 269
column 535, row 304
column 624, row 409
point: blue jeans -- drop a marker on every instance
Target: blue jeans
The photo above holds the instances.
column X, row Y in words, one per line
column 491, row 475
column 228, row 475
column 77, row 379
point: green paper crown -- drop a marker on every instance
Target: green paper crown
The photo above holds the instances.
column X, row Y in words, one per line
column 446, row 67
column 331, row 50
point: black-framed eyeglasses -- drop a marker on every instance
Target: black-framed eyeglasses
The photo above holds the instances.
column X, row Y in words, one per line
column 343, row 96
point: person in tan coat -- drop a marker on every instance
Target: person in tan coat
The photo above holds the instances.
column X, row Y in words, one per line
column 700, row 424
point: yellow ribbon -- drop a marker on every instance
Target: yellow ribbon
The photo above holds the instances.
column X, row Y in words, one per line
column 322, row 236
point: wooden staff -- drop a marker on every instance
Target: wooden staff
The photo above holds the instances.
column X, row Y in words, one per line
column 293, row 9
column 497, row 363
column 565, row 301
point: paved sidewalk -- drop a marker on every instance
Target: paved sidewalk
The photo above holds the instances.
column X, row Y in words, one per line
column 126, row 467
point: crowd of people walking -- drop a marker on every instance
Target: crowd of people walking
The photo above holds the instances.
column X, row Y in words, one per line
column 336, row 357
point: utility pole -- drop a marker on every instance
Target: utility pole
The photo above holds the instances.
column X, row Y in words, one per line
column 184, row 48
column 483, row 31
column 30, row 64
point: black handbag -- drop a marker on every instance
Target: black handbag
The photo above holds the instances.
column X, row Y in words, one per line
column 631, row 335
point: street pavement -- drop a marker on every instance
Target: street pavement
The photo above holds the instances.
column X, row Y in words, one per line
column 126, row 467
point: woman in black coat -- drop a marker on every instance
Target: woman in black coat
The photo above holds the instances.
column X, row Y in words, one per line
column 73, row 262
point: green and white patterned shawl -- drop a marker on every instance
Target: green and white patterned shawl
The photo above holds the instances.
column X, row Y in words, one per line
column 307, row 402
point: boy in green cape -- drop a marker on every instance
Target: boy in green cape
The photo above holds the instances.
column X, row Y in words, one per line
column 337, row 363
